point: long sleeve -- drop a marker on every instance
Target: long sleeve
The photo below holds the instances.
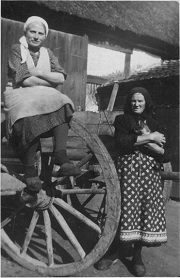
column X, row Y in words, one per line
column 124, row 139
column 55, row 66
column 17, row 71
column 166, row 156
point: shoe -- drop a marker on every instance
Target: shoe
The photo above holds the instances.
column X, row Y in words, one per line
column 27, row 198
column 33, row 183
column 67, row 169
column 125, row 250
column 139, row 269
column 105, row 264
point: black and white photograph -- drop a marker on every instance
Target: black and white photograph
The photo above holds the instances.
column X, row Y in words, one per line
column 90, row 139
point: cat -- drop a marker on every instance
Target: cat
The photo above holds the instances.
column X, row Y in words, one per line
column 142, row 129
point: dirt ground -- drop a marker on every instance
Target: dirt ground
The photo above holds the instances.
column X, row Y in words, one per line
column 160, row 261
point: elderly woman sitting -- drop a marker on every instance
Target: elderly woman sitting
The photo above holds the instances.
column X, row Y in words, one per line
column 35, row 107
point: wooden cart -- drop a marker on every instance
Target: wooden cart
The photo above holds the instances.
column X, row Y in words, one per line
column 76, row 219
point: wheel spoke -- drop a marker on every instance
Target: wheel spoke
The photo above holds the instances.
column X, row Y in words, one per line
column 83, row 191
column 72, row 181
column 79, row 164
column 68, row 231
column 88, row 200
column 60, row 245
column 48, row 233
column 79, row 215
column 30, row 232
column 8, row 219
column 98, row 179
column 84, row 160
column 102, row 213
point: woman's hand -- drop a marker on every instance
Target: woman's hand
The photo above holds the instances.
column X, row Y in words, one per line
column 154, row 137
column 36, row 72
column 154, row 148
column 35, row 81
column 158, row 138
column 54, row 78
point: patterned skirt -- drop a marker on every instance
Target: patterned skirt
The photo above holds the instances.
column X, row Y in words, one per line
column 143, row 211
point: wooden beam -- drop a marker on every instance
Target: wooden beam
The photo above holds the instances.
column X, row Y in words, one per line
column 127, row 65
column 175, row 176
column 96, row 79
column 107, row 45
column 113, row 96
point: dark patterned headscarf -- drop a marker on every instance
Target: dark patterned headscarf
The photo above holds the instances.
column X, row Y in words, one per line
column 149, row 104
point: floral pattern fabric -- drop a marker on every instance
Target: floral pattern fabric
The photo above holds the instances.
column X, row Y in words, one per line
column 143, row 212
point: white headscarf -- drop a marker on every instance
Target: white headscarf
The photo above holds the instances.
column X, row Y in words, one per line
column 36, row 19
column 22, row 40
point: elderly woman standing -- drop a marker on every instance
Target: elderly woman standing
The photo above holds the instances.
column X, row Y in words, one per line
column 34, row 106
column 142, row 220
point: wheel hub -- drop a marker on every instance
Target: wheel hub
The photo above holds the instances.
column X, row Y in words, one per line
column 43, row 201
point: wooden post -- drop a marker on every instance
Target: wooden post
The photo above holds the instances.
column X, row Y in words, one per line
column 113, row 96
column 127, row 65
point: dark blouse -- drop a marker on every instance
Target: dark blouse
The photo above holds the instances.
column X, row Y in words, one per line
column 125, row 137
column 19, row 72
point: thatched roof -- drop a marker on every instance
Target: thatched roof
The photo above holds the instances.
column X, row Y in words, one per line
column 162, row 82
column 152, row 26
column 158, row 19
column 168, row 69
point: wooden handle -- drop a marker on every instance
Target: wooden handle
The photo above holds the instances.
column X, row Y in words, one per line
column 170, row 176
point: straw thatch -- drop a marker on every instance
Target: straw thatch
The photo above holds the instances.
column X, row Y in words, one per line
column 161, row 81
column 158, row 19
column 151, row 26
column 167, row 70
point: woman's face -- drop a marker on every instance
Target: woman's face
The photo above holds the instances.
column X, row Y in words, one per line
column 35, row 35
column 138, row 103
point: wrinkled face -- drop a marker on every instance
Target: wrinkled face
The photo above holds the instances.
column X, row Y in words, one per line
column 138, row 103
column 35, row 34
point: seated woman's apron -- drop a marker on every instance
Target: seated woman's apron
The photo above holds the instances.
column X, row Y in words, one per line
column 36, row 100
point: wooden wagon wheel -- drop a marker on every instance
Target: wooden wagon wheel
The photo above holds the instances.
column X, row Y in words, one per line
column 72, row 232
